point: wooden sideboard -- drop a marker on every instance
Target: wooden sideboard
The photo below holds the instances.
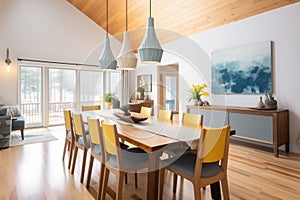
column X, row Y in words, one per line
column 136, row 107
column 264, row 126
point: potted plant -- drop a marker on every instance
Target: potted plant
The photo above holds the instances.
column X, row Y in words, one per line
column 108, row 98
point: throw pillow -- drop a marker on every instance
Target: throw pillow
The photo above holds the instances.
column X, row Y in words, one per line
column 3, row 111
column 13, row 112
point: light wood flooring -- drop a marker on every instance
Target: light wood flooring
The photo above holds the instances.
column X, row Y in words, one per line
column 36, row 172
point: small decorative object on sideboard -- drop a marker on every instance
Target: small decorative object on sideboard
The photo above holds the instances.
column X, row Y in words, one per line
column 205, row 103
column 270, row 102
column 260, row 103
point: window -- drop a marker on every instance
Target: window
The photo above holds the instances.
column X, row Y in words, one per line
column 31, row 95
column 91, row 87
column 45, row 91
column 115, row 83
column 62, row 93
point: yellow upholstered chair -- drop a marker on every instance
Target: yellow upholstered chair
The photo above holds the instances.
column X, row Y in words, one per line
column 119, row 161
column 192, row 120
column 82, row 141
column 69, row 140
column 206, row 167
column 96, row 152
column 145, row 111
column 164, row 115
column 93, row 107
column 188, row 120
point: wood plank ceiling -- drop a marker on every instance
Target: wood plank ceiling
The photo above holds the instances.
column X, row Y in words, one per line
column 172, row 18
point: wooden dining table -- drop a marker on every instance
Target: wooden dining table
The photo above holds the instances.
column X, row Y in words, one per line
column 154, row 144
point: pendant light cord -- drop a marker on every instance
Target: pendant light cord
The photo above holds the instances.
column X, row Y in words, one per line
column 107, row 18
column 150, row 8
column 126, row 16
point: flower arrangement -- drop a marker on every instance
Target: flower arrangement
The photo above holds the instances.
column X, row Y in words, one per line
column 197, row 91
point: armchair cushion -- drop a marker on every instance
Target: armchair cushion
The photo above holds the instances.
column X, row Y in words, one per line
column 18, row 123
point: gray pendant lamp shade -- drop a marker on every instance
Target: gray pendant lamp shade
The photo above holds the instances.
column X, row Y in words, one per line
column 127, row 59
column 150, row 50
column 107, row 60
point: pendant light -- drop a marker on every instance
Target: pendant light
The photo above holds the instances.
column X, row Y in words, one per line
column 150, row 50
column 107, row 60
column 127, row 59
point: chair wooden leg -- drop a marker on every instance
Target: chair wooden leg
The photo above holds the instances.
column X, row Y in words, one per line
column 101, row 177
column 135, row 180
column 120, row 185
column 174, row 183
column 161, row 183
column 197, row 192
column 74, row 159
column 71, row 153
column 83, row 165
column 225, row 189
column 105, row 181
column 65, row 148
column 88, row 180
column 126, row 179
column 22, row 134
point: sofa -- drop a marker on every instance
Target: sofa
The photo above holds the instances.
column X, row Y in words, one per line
column 17, row 120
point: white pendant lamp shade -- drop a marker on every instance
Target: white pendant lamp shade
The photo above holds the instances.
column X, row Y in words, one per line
column 150, row 50
column 107, row 60
column 127, row 59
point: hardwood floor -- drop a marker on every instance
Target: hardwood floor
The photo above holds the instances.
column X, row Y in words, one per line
column 37, row 172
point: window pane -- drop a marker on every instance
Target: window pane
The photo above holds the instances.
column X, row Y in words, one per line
column 115, row 83
column 62, row 93
column 91, row 87
column 31, row 95
column 170, row 92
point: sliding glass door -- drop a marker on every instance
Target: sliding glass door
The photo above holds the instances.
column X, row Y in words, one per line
column 31, row 95
column 62, row 93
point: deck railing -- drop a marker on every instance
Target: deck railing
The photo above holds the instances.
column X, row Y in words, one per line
column 33, row 111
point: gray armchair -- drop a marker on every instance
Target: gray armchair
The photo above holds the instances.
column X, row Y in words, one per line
column 5, row 124
column 17, row 121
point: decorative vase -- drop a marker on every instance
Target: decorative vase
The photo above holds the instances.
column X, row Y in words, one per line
column 260, row 103
column 109, row 105
column 271, row 103
column 198, row 102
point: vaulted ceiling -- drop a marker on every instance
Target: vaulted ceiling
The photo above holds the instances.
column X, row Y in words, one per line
column 183, row 17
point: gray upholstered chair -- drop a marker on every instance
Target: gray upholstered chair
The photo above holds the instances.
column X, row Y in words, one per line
column 18, row 121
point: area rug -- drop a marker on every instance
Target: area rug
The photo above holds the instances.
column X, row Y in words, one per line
column 31, row 136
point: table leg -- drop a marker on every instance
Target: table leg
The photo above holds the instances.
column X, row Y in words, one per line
column 215, row 191
column 153, row 176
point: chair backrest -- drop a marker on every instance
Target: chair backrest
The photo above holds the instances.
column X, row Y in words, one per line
column 215, row 143
column 145, row 111
column 164, row 115
column 111, row 142
column 79, row 128
column 93, row 107
column 189, row 119
column 95, row 132
column 213, row 147
column 68, row 120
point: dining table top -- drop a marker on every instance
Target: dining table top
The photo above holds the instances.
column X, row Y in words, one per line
column 151, row 134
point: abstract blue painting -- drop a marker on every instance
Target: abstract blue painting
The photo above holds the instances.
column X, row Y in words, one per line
column 243, row 70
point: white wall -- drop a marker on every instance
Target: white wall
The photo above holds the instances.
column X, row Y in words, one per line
column 280, row 26
column 48, row 30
